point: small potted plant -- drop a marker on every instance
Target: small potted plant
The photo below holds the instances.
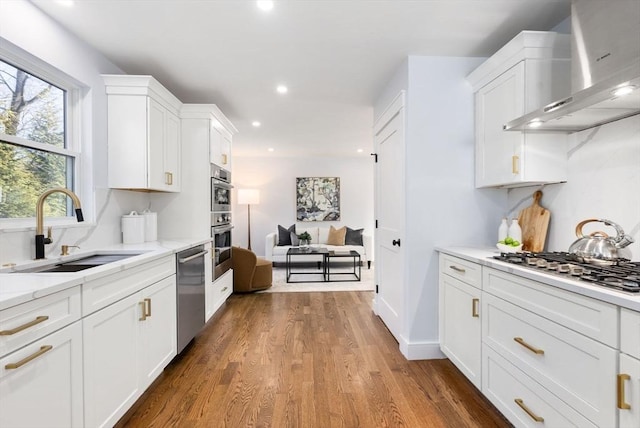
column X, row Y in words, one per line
column 305, row 239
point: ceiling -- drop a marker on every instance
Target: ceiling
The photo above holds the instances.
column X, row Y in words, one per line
column 334, row 56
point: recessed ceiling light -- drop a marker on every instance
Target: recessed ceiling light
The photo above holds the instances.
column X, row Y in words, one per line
column 265, row 5
column 535, row 123
column 255, row 124
column 623, row 90
column 282, row 89
column 270, row 149
column 360, row 150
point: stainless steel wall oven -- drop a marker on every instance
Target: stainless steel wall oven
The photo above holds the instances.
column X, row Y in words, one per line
column 221, row 227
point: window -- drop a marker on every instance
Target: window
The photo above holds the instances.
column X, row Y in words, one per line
column 34, row 147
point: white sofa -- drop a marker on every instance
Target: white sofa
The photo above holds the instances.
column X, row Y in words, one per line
column 319, row 235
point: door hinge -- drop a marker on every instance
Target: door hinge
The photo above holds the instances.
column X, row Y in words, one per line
column 376, row 288
column 375, row 156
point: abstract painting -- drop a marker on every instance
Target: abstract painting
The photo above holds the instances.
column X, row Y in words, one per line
column 318, row 198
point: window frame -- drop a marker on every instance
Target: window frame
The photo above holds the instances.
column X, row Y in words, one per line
column 73, row 117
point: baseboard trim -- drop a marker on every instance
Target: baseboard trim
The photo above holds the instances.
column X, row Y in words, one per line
column 421, row 350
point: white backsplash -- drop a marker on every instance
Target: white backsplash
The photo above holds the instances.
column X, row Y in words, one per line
column 603, row 182
column 17, row 246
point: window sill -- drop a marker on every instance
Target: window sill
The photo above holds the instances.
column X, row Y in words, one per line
column 29, row 225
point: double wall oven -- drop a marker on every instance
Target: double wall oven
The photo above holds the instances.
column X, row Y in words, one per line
column 221, row 227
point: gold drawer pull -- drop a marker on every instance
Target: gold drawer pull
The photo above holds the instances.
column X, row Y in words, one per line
column 621, row 400
column 148, row 306
column 528, row 411
column 514, row 164
column 224, row 289
column 25, row 360
column 38, row 320
column 143, row 308
column 474, row 308
column 529, row 347
column 457, row 269
column 168, row 178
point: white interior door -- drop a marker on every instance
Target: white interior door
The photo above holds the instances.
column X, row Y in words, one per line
column 390, row 213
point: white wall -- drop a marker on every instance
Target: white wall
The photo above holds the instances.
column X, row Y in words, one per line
column 442, row 206
column 26, row 30
column 603, row 182
column 275, row 177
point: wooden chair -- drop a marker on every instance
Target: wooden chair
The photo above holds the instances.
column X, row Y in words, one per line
column 250, row 273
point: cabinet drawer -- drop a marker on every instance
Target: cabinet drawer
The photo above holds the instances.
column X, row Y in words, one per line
column 503, row 384
column 591, row 317
column 102, row 292
column 630, row 332
column 22, row 324
column 465, row 271
column 577, row 369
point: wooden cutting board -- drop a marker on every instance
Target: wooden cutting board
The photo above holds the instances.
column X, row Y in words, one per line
column 534, row 222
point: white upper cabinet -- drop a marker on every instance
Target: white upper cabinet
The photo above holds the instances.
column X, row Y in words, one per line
column 143, row 134
column 530, row 71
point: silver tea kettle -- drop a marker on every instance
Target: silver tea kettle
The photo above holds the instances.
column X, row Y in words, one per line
column 598, row 248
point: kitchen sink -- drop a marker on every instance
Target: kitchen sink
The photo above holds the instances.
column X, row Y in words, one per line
column 79, row 264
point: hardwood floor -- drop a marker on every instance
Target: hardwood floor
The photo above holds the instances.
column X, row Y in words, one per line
column 306, row 360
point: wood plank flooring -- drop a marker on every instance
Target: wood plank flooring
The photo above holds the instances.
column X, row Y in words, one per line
column 305, row 360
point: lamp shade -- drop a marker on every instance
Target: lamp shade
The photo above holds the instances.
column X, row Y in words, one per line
column 248, row 196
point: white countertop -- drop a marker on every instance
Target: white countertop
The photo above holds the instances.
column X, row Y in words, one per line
column 17, row 288
column 484, row 256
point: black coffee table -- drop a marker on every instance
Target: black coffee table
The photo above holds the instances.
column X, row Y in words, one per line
column 356, row 268
column 300, row 253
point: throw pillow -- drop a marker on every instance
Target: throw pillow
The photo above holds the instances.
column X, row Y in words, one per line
column 284, row 235
column 353, row 237
column 294, row 239
column 336, row 236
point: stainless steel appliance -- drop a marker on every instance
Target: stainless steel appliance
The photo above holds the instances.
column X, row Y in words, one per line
column 221, row 227
column 190, row 297
column 624, row 275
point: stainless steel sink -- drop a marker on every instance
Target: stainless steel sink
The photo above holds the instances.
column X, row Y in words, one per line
column 79, row 264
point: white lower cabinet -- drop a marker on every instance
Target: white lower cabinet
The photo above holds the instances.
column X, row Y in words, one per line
column 549, row 357
column 217, row 292
column 460, row 326
column 41, row 383
column 126, row 346
column 628, row 399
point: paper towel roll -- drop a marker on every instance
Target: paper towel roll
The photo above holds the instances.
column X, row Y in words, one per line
column 150, row 226
column 132, row 228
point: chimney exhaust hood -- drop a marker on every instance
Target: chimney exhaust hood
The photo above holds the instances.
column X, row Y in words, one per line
column 605, row 63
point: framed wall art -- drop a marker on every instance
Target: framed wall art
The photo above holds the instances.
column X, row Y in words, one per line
column 318, row 198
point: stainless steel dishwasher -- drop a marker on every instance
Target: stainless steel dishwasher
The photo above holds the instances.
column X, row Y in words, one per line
column 190, row 278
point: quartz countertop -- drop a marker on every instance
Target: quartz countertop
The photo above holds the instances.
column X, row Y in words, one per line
column 484, row 256
column 17, row 287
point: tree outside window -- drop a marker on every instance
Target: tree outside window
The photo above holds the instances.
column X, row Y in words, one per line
column 33, row 152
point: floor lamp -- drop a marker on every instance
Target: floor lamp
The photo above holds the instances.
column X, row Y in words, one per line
column 248, row 197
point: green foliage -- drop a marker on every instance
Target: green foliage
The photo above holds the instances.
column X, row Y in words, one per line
column 32, row 111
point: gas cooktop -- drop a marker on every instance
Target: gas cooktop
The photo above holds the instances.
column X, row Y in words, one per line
column 622, row 276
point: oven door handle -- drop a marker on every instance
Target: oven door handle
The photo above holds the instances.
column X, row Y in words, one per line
column 221, row 229
column 222, row 184
column 195, row 256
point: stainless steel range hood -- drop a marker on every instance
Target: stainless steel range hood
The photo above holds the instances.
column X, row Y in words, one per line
column 605, row 58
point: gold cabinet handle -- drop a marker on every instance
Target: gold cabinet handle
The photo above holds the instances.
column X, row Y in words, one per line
column 224, row 159
column 474, row 308
column 168, row 178
column 528, row 411
column 223, row 289
column 529, row 347
column 621, row 400
column 25, row 360
column 457, row 269
column 38, row 320
column 143, row 308
column 514, row 164
column 148, row 306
